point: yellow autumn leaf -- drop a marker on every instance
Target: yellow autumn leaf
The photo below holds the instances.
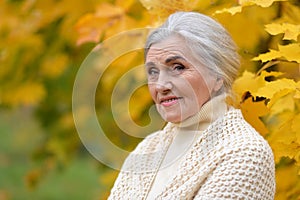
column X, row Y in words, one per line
column 143, row 98
column 264, row 74
column 297, row 94
column 254, row 18
column 281, row 128
column 290, row 13
column 127, row 23
column 281, row 149
column 57, row 148
column 249, row 82
column 118, row 68
column 281, row 102
column 262, row 3
column 286, row 178
column 108, row 19
column 290, row 31
column 232, row 10
column 125, row 4
column 271, row 88
column 244, row 83
column 54, row 66
column 106, row 10
column 89, row 28
column 271, row 55
column 291, row 52
column 296, row 127
column 29, row 93
column 67, row 120
column 252, row 111
column 243, row 3
column 164, row 8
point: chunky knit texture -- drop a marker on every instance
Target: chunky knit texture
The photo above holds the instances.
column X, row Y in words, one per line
column 229, row 160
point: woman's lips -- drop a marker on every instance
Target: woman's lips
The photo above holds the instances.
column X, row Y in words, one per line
column 169, row 101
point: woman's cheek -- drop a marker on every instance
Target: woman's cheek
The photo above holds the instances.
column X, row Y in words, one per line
column 151, row 88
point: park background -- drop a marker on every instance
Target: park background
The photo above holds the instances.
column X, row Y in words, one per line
column 43, row 44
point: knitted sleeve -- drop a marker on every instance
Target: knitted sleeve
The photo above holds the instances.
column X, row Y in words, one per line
column 138, row 169
column 246, row 171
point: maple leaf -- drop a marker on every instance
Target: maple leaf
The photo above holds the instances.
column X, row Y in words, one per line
column 297, row 94
column 257, row 86
column 286, row 178
column 108, row 18
column 296, row 127
column 271, row 88
column 280, row 125
column 252, row 111
column 232, row 10
column 244, row 3
column 245, row 83
column 290, row 52
column 281, row 102
column 290, row 31
column 281, row 149
column 262, row 3
column 249, row 82
column 167, row 7
column 271, row 55
column 284, row 137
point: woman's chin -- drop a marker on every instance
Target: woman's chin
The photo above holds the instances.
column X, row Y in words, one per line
column 172, row 118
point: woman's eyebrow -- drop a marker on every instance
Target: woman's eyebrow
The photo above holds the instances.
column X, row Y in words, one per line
column 150, row 64
column 167, row 61
column 173, row 58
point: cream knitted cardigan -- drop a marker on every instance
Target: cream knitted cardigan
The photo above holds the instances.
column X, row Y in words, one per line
column 229, row 160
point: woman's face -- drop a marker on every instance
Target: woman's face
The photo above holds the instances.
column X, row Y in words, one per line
column 179, row 84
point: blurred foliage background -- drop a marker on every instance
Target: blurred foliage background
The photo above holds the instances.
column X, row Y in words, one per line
column 43, row 43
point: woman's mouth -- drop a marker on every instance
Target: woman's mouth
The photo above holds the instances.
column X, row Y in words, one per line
column 169, row 101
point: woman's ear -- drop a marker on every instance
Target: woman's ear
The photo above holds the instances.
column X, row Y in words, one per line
column 218, row 84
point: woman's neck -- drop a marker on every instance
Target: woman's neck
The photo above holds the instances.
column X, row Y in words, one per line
column 208, row 113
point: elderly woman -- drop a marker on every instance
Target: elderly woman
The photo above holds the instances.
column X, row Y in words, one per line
column 207, row 150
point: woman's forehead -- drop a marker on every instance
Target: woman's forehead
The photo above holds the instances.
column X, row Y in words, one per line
column 171, row 47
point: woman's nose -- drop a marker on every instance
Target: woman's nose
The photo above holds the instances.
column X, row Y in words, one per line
column 163, row 84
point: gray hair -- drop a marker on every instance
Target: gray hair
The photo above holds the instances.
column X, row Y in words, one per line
column 208, row 40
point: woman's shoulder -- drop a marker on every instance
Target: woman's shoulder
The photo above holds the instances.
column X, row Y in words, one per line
column 234, row 123
column 236, row 132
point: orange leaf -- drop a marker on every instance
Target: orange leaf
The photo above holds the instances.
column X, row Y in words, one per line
column 91, row 26
column 106, row 10
column 252, row 112
column 33, row 177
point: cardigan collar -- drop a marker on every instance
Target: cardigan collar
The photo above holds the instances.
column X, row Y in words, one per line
column 208, row 113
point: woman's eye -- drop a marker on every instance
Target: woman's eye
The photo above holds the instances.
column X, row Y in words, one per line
column 179, row 67
column 152, row 72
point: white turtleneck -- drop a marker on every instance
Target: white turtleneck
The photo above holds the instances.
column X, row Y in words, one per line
column 186, row 134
